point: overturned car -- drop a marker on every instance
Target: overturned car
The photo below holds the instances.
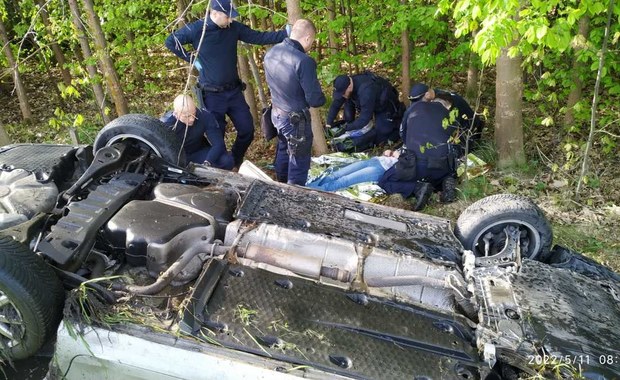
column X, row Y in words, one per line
column 175, row 271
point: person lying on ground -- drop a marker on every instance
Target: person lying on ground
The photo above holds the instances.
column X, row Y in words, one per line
column 370, row 170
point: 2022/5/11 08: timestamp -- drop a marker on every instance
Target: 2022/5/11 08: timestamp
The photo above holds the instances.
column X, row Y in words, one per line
column 606, row 359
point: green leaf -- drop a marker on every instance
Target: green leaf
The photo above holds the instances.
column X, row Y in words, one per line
column 79, row 120
column 547, row 122
column 541, row 32
column 476, row 12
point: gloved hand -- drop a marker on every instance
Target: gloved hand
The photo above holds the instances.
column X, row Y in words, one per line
column 197, row 64
column 288, row 28
column 336, row 131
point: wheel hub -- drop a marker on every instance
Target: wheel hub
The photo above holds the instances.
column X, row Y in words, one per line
column 11, row 323
column 493, row 240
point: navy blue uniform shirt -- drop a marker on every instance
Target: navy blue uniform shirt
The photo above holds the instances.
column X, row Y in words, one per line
column 365, row 98
column 291, row 76
column 218, row 51
column 423, row 131
column 205, row 133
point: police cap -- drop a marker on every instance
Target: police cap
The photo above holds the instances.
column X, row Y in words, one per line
column 225, row 6
column 417, row 91
column 341, row 83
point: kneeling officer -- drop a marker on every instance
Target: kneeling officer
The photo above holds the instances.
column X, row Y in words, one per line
column 199, row 132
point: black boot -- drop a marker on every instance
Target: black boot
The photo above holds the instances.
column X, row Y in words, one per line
column 423, row 192
column 448, row 190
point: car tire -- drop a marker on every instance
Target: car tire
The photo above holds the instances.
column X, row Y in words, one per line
column 148, row 131
column 493, row 213
column 31, row 300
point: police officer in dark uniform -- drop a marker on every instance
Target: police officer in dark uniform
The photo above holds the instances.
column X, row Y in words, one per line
column 369, row 95
column 199, row 133
column 470, row 124
column 292, row 79
column 429, row 158
column 216, row 62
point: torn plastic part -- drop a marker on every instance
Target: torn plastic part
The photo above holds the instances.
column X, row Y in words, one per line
column 489, row 355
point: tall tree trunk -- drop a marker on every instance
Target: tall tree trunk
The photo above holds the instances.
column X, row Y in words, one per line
column 331, row 16
column 351, row 35
column 135, row 67
column 405, row 77
column 508, row 112
column 293, row 9
column 58, row 54
column 17, row 80
column 109, row 72
column 319, row 144
column 471, row 90
column 575, row 94
column 266, row 22
column 87, row 53
column 262, row 97
column 182, row 12
column 593, row 110
column 244, row 72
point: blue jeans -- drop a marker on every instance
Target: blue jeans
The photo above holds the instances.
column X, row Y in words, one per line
column 358, row 172
column 292, row 168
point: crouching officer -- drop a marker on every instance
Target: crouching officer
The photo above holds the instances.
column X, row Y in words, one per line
column 368, row 95
column 429, row 161
column 216, row 62
column 292, row 79
column 470, row 123
column 199, row 133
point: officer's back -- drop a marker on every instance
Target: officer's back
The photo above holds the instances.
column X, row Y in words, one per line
column 426, row 134
column 291, row 90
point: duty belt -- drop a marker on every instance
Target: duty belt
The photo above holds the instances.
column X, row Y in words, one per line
column 222, row 88
column 298, row 119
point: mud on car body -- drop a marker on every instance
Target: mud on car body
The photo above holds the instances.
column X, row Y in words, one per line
column 253, row 278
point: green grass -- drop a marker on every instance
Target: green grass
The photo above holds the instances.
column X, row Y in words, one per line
column 599, row 243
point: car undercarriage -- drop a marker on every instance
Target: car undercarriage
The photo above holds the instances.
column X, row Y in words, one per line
column 295, row 281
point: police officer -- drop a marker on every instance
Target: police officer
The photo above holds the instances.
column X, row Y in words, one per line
column 200, row 134
column 429, row 159
column 369, row 95
column 216, row 62
column 470, row 124
column 292, row 79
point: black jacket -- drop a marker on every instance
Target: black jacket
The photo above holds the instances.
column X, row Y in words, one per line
column 218, row 51
column 292, row 79
column 371, row 94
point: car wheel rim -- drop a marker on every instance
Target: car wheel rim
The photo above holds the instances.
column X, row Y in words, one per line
column 139, row 139
column 495, row 235
column 11, row 323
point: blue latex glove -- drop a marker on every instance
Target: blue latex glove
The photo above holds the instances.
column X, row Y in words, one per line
column 197, row 64
column 288, row 28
